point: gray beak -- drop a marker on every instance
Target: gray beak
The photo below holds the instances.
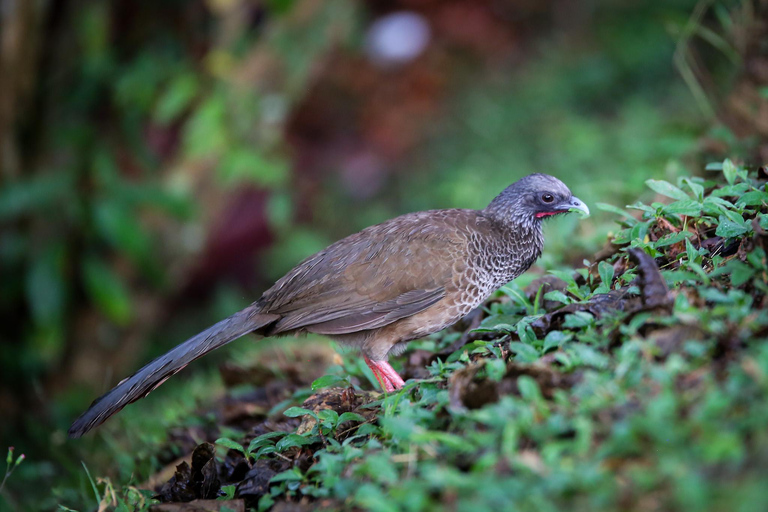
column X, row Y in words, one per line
column 575, row 204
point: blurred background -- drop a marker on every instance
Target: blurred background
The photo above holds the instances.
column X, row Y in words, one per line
column 162, row 162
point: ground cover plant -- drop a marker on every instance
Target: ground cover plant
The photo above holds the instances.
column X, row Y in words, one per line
column 637, row 381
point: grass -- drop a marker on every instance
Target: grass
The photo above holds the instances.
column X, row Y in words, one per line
column 635, row 382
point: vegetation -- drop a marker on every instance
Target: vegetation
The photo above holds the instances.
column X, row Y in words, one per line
column 638, row 381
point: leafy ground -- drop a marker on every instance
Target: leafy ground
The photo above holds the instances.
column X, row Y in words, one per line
column 636, row 382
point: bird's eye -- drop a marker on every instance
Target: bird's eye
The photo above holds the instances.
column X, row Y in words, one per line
column 547, row 198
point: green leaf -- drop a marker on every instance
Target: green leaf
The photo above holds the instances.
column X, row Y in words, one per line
column 739, row 272
column 525, row 333
column 565, row 275
column 558, row 296
column 696, row 188
column 327, row 381
column 529, row 389
column 292, row 440
column 729, row 171
column 729, row 229
column 207, row 133
column 735, row 190
column 667, row 189
column 642, row 207
column 691, row 251
column 622, row 237
column 291, row 475
column 119, row 225
column 176, row 98
column 639, row 231
column 107, row 291
column 230, row 444
column 328, row 415
column 351, row 416
column 555, row 339
column 753, row 198
column 578, row 320
column 587, row 355
column 294, row 412
column 524, row 353
column 673, row 238
column 686, row 207
column 263, row 440
column 229, row 492
column 714, row 166
column 605, row 270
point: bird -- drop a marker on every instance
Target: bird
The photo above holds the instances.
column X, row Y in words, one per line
column 380, row 288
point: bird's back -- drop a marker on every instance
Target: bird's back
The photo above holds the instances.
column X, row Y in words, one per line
column 449, row 260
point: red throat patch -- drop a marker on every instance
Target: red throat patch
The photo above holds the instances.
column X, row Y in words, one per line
column 546, row 214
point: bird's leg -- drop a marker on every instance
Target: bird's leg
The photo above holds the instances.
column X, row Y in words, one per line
column 385, row 374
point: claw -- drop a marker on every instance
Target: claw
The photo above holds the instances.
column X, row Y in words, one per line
column 388, row 378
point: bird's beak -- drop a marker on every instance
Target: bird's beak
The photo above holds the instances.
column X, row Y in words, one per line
column 574, row 204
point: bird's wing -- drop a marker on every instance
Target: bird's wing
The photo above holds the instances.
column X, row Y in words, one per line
column 375, row 277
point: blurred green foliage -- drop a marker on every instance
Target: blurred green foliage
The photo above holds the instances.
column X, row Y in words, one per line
column 149, row 119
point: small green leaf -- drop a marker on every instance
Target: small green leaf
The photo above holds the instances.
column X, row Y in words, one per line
column 327, row 381
column 350, row 416
column 686, row 207
column 729, row 171
column 264, row 440
column 555, row 339
column 735, row 190
column 292, row 440
column 565, row 275
column 673, row 238
column 696, row 188
column 107, row 291
column 229, row 492
column 524, row 353
column 587, row 355
column 230, row 444
column 605, row 270
column 729, row 229
column 328, row 415
column 578, row 320
column 667, row 189
column 639, row 231
column 176, row 98
column 753, row 198
column 529, row 389
column 294, row 412
column 740, row 272
column 691, row 251
column 557, row 296
column 714, row 166
column 292, row 474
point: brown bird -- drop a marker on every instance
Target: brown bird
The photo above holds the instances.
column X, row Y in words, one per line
column 380, row 288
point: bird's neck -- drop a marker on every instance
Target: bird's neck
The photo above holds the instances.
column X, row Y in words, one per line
column 514, row 222
column 522, row 238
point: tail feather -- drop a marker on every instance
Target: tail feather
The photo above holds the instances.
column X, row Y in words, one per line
column 141, row 383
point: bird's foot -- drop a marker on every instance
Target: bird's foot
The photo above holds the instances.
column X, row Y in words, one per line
column 385, row 374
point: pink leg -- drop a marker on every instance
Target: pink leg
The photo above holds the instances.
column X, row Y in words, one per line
column 385, row 374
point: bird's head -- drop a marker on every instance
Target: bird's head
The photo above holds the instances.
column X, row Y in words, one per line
column 533, row 198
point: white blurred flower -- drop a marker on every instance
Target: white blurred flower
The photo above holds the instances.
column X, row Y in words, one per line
column 397, row 38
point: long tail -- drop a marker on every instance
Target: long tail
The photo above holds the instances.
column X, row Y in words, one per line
column 140, row 384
